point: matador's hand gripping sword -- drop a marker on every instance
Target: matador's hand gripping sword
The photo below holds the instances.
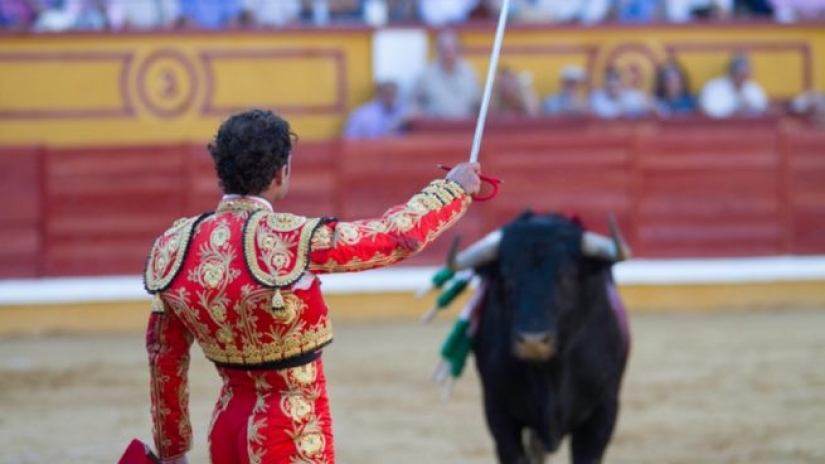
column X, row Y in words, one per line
column 485, row 101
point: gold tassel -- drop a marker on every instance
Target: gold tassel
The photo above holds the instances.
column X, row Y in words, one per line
column 278, row 299
column 157, row 304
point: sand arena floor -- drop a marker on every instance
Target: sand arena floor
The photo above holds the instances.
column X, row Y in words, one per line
column 701, row 388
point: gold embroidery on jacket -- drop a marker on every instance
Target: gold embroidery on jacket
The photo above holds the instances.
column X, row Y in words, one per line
column 167, row 253
column 322, row 239
column 214, row 273
column 283, row 343
column 401, row 220
column 253, row 301
column 276, row 247
column 293, row 306
column 179, row 302
column 357, row 263
column 287, row 339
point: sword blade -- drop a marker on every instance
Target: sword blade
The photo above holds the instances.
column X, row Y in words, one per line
column 491, row 77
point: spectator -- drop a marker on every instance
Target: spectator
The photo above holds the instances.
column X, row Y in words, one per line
column 449, row 86
column 753, row 8
column 63, row 15
column 549, row 11
column 346, row 10
column 615, row 99
column 513, row 95
column 787, row 11
column 810, row 104
column 97, row 15
column 570, row 100
column 402, row 10
column 638, row 11
column 321, row 12
column 673, row 91
column 381, row 117
column 53, row 16
column 443, row 12
column 682, row 11
column 272, row 13
column 150, row 14
column 734, row 93
column 209, row 14
column 17, row 14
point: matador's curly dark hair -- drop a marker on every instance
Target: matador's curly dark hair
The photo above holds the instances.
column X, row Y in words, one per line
column 249, row 148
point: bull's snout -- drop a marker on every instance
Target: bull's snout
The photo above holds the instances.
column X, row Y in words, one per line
column 534, row 346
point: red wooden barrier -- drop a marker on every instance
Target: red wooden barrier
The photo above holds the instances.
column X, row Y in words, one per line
column 21, row 242
column 105, row 205
column 374, row 176
column 708, row 193
column 805, row 190
column 679, row 188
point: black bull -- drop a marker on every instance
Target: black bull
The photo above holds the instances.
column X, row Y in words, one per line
column 550, row 347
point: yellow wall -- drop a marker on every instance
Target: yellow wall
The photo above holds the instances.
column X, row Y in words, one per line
column 85, row 89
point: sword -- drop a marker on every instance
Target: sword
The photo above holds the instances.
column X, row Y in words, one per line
column 491, row 77
column 485, row 101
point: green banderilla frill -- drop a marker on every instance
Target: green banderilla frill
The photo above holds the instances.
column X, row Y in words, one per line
column 457, row 346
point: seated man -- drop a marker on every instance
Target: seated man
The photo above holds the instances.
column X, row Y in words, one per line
column 273, row 13
column 735, row 93
column 209, row 14
column 616, row 99
column 513, row 95
column 810, row 104
column 449, row 87
column 381, row 117
column 788, row 11
column 150, row 14
column 549, row 11
column 17, row 14
column 570, row 100
column 441, row 12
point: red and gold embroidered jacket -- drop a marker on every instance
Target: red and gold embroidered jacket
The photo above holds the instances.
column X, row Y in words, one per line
column 240, row 281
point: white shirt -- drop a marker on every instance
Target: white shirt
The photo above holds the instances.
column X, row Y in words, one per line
column 721, row 99
column 631, row 103
column 549, row 10
column 441, row 12
column 149, row 14
column 448, row 95
column 274, row 12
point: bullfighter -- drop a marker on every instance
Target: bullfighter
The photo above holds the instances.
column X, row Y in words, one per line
column 241, row 282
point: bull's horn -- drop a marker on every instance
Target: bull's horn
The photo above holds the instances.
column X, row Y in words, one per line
column 611, row 248
column 618, row 240
column 480, row 252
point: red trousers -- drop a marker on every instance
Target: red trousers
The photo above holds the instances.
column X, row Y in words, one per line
column 272, row 417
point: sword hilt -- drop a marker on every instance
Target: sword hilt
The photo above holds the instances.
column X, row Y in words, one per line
column 493, row 182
